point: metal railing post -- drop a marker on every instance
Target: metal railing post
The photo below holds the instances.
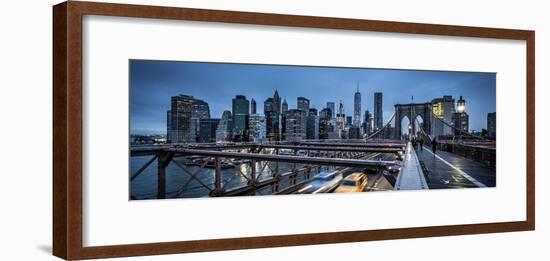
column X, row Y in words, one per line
column 163, row 161
column 218, row 176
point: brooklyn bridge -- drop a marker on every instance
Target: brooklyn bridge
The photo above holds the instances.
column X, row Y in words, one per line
column 416, row 159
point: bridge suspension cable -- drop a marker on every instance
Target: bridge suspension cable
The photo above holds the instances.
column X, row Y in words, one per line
column 422, row 131
column 459, row 130
column 383, row 128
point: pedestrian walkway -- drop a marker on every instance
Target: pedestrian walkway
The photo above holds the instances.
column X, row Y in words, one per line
column 448, row 170
column 411, row 176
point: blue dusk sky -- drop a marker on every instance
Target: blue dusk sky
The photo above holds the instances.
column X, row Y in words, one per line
column 152, row 83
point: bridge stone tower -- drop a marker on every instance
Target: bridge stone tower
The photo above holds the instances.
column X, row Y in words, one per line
column 424, row 110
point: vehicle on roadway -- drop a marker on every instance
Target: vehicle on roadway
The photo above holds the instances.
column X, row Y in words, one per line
column 393, row 168
column 324, row 182
column 391, row 171
column 355, row 182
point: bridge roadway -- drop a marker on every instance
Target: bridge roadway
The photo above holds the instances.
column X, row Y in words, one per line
column 448, row 170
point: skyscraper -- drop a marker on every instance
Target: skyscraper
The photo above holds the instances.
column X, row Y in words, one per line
column 270, row 119
column 184, row 112
column 200, row 110
column 367, row 127
column 240, row 118
column 268, row 105
column 276, row 102
column 272, row 112
column 256, row 126
column 492, row 124
column 354, row 133
column 324, row 123
column 295, row 125
column 225, row 128
column 340, row 120
column 460, row 121
column 180, row 118
column 252, row 106
column 378, row 115
column 330, row 105
column 312, row 124
column 283, row 117
column 207, row 130
column 303, row 104
column 443, row 110
column 168, row 127
column 357, row 108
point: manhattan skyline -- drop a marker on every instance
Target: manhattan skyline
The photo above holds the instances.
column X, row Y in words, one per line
column 152, row 83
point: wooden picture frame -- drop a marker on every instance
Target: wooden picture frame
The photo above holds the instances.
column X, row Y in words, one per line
column 68, row 118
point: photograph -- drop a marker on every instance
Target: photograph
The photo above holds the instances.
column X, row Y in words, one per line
column 216, row 131
column 204, row 129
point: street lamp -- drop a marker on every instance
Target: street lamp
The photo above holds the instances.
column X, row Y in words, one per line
column 461, row 105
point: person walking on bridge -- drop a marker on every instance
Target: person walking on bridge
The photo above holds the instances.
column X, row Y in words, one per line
column 434, row 145
column 421, row 143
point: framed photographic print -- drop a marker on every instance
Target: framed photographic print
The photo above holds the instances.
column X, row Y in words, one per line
column 186, row 130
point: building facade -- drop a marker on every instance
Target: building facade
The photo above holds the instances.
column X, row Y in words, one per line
column 330, row 105
column 378, row 114
column 492, row 124
column 325, row 126
column 442, row 110
column 252, row 106
column 272, row 112
column 367, row 126
column 276, row 102
column 240, row 111
column 257, row 128
column 168, row 127
column 312, row 124
column 207, row 130
column 295, row 125
column 303, row 104
column 184, row 112
column 284, row 110
column 284, row 107
column 357, row 108
column 224, row 132
column 349, row 121
column 199, row 111
column 354, row 132
column 461, row 123
column 340, row 121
